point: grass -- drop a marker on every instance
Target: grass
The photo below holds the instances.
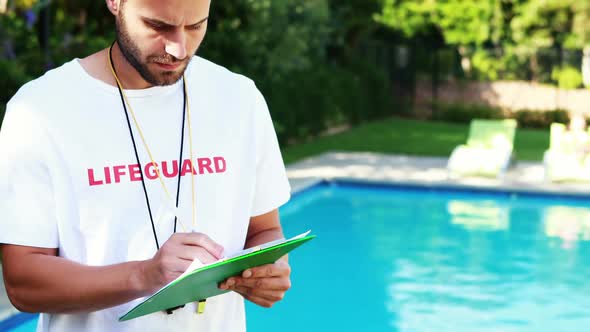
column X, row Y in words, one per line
column 412, row 137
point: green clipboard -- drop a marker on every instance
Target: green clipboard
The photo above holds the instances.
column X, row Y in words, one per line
column 203, row 282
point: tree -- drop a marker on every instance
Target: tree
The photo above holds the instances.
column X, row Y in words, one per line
column 580, row 37
column 541, row 24
column 270, row 38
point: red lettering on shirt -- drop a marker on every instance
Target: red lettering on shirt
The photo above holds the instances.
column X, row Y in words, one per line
column 170, row 169
column 134, row 172
column 150, row 171
column 167, row 173
column 204, row 163
column 119, row 172
column 91, row 180
column 187, row 167
column 220, row 164
column 107, row 175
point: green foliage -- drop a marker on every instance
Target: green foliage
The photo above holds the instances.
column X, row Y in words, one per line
column 486, row 66
column 466, row 22
column 521, row 31
column 282, row 45
column 18, row 77
column 312, row 100
column 539, row 119
column 541, row 23
column 461, row 22
column 2, row 111
column 464, row 113
column 411, row 17
column 269, row 39
column 580, row 25
column 568, row 77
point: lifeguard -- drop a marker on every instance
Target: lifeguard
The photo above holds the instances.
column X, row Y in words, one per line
column 168, row 169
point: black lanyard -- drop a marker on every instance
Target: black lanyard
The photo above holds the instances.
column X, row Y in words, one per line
column 147, row 199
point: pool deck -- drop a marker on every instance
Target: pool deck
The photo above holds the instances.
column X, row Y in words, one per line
column 398, row 169
column 422, row 171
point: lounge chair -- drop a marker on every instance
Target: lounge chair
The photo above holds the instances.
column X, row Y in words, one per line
column 488, row 151
column 563, row 161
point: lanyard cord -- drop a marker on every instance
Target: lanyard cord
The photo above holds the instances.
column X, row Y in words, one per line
column 184, row 113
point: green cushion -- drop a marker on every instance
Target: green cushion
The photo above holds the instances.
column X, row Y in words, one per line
column 491, row 134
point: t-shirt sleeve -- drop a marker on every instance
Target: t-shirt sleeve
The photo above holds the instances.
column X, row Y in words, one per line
column 26, row 194
column 272, row 187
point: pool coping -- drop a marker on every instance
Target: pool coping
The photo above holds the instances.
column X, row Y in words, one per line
column 350, row 181
column 16, row 320
column 423, row 172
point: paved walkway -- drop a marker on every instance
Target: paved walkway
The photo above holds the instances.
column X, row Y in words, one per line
column 523, row 176
column 397, row 169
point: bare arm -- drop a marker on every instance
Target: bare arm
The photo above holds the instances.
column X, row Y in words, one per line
column 39, row 281
column 264, row 228
column 267, row 284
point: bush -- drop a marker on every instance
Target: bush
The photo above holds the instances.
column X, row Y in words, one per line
column 526, row 118
column 567, row 77
column 16, row 75
column 309, row 101
column 2, row 111
column 539, row 119
column 486, row 66
column 464, row 113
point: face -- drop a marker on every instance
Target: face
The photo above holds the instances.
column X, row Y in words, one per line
column 158, row 38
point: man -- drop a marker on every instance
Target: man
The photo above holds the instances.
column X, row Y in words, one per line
column 90, row 177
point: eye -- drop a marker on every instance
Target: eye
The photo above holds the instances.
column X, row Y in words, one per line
column 195, row 27
column 157, row 26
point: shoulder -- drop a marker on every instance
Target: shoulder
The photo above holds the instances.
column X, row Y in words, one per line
column 217, row 76
column 53, row 85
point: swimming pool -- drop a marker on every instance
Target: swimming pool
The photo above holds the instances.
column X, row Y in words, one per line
column 404, row 258
column 416, row 259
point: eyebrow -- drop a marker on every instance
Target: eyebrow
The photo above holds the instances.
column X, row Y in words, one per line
column 165, row 24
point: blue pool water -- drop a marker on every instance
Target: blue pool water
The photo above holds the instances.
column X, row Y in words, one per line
column 414, row 259
column 408, row 259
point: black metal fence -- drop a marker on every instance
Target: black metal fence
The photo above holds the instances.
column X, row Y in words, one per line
column 407, row 65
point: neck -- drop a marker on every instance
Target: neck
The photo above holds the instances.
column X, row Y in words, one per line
column 127, row 74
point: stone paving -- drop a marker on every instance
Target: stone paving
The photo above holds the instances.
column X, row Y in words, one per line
column 428, row 171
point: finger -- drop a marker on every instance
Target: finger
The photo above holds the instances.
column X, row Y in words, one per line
column 280, row 268
column 228, row 283
column 201, row 240
column 191, row 253
column 276, row 283
column 265, row 294
column 258, row 300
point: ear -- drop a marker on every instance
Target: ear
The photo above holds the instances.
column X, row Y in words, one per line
column 114, row 6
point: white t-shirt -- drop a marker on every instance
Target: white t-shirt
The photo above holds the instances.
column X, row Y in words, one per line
column 69, row 177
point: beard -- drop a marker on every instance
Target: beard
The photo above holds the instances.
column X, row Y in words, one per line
column 132, row 54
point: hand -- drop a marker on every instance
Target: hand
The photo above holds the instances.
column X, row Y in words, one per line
column 264, row 285
column 175, row 256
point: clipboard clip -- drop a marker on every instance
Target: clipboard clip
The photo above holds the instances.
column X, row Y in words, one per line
column 171, row 310
column 200, row 308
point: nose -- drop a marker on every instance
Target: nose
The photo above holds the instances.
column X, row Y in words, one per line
column 176, row 45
